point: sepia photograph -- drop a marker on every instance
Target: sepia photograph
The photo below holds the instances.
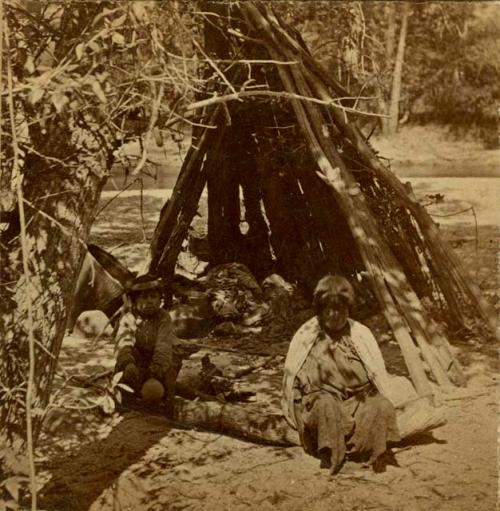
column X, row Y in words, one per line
column 249, row 255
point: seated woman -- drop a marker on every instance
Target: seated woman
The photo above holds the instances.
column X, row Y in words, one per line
column 334, row 380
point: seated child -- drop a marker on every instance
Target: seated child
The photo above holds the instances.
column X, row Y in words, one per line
column 145, row 340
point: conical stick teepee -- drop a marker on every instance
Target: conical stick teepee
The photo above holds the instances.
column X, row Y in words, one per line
column 317, row 198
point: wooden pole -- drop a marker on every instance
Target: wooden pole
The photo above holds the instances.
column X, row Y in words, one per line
column 287, row 41
column 224, row 235
column 256, row 249
column 170, row 252
column 187, row 175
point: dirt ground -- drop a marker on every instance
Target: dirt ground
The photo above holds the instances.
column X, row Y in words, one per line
column 138, row 461
column 145, row 464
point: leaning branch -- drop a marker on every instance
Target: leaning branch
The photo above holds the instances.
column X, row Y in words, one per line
column 335, row 103
column 152, row 123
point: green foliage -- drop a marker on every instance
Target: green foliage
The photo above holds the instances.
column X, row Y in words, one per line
column 459, row 67
column 15, row 485
column 452, row 60
column 93, row 65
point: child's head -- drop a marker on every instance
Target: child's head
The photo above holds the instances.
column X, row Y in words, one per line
column 146, row 294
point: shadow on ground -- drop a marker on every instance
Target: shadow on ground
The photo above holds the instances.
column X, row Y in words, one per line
column 78, row 478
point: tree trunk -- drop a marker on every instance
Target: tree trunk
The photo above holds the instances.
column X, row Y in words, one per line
column 390, row 33
column 60, row 204
column 390, row 36
column 398, row 70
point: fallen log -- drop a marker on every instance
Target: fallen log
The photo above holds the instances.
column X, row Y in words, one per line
column 250, row 423
column 197, row 410
column 246, row 421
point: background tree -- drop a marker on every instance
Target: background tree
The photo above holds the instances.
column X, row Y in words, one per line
column 397, row 74
column 457, row 67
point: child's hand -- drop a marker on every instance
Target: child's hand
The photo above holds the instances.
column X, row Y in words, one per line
column 156, row 371
column 130, row 375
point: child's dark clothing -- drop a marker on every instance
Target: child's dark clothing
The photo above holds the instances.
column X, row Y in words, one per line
column 145, row 350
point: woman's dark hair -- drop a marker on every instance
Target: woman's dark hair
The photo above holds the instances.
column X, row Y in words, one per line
column 332, row 288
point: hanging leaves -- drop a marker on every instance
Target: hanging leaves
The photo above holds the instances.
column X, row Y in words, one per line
column 12, row 484
column 95, row 47
column 29, row 65
column 35, row 95
column 118, row 39
column 98, row 91
column 59, row 101
column 116, row 378
column 139, row 10
column 106, row 403
column 80, row 48
column 118, row 22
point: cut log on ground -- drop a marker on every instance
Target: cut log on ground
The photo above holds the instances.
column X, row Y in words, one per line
column 248, row 421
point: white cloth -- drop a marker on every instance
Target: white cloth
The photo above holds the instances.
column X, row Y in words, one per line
column 395, row 388
column 127, row 327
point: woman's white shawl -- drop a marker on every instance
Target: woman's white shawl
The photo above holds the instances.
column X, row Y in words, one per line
column 395, row 388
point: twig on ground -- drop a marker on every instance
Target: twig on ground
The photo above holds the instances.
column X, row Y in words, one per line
column 465, row 396
column 437, row 460
column 258, row 465
column 97, row 376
